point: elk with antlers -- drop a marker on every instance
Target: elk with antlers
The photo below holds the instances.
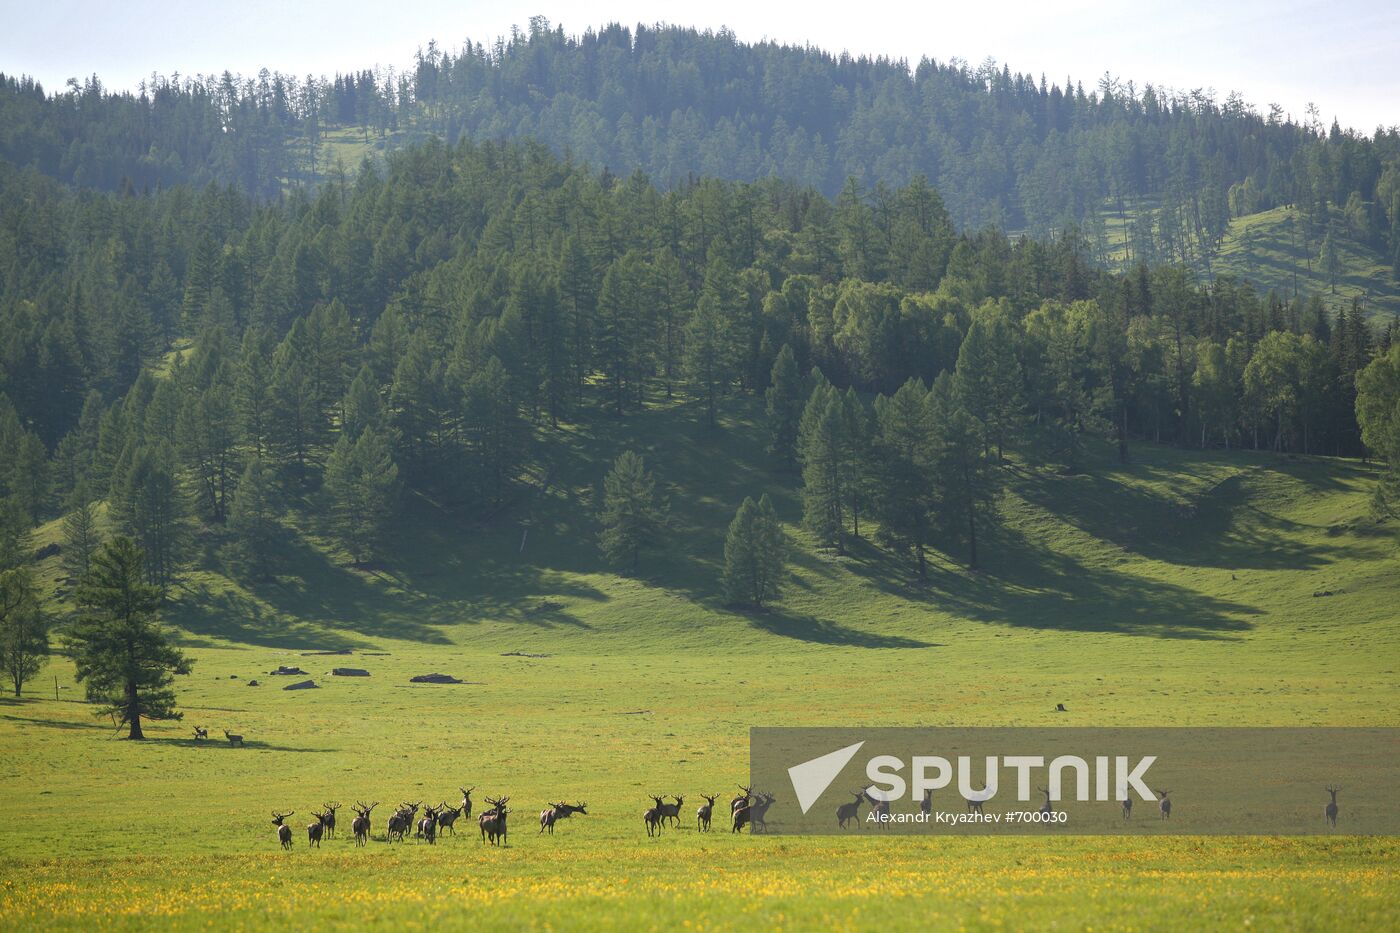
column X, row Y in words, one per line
column 316, row 830
column 427, row 826
column 330, row 818
column 559, row 811
column 742, row 800
column 401, row 820
column 235, row 740
column 652, row 817
column 758, row 812
column 850, row 811
column 704, row 812
column 360, row 825
column 467, row 801
column 672, row 811
column 1331, row 810
column 879, row 809
column 447, row 816
column 200, row 734
column 284, row 832
column 493, row 821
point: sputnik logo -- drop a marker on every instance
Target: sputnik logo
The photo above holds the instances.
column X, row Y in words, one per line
column 811, row 778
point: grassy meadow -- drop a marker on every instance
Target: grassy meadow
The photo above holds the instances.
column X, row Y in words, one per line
column 1183, row 589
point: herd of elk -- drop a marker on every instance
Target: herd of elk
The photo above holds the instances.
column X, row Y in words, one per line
column 754, row 814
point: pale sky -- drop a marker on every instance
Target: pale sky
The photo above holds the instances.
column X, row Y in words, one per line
column 1342, row 55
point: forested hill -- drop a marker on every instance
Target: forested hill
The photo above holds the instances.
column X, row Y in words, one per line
column 1017, row 151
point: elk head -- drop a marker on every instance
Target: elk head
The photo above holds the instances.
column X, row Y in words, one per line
column 277, row 818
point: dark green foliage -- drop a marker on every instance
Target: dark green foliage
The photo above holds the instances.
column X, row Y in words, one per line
column 253, row 521
column 81, row 536
column 122, row 656
column 632, row 516
column 362, row 489
column 784, row 408
column 755, row 554
column 147, row 506
column 24, row 629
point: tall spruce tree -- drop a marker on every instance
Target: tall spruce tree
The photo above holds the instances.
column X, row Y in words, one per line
column 253, row 520
column 755, row 554
column 24, row 628
column 632, row 517
column 784, row 404
column 362, row 484
column 121, row 653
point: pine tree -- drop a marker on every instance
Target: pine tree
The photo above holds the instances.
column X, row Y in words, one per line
column 147, row 507
column 707, row 356
column 784, row 408
column 362, row 484
column 253, row 520
column 755, row 554
column 632, row 517
column 363, row 405
column 122, row 655
column 81, row 537
column 24, row 628
column 905, row 495
column 966, row 481
column 822, row 447
column 988, row 379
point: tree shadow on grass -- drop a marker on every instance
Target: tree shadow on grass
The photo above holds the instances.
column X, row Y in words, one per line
column 248, row 744
column 825, row 632
column 57, row 723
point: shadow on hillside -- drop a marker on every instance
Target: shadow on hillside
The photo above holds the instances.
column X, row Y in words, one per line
column 213, row 744
column 1220, row 527
column 825, row 632
column 57, row 723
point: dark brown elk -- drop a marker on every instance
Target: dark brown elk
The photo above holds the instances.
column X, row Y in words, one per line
column 652, row 817
column 427, row 826
column 672, row 811
column 447, row 816
column 742, row 800
column 493, row 821
column 330, row 818
column 1331, row 811
column 1165, row 806
column 758, row 812
column 316, row 830
column 879, row 809
column 284, row 832
column 704, row 812
column 466, row 801
column 401, row 820
column 926, row 804
column 741, row 818
column 850, row 811
column 361, row 824
column 559, row 811
column 1127, row 806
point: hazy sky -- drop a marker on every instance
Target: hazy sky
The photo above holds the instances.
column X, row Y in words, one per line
column 1342, row 55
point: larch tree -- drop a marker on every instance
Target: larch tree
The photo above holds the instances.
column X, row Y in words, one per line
column 755, row 554
column 632, row 517
column 784, row 403
column 24, row 628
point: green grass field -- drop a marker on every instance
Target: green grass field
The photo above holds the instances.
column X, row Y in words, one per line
column 1179, row 590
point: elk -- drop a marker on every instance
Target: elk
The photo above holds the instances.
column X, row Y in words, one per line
column 427, row 826
column 559, row 811
column 330, row 818
column 926, row 804
column 1331, row 810
column 233, row 739
column 467, row 801
column 402, row 820
column 741, row 817
column 447, row 816
column 850, row 811
column 1045, row 807
column 878, row 808
column 672, row 811
column 652, row 817
column 200, row 734
column 758, row 812
column 1165, row 805
column 493, row 821
column 974, row 805
column 1127, row 806
column 703, row 813
column 284, row 832
column 742, row 800
column 315, row 830
column 360, row 825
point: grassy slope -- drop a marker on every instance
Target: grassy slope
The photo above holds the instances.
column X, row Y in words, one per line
column 1258, row 248
column 1178, row 590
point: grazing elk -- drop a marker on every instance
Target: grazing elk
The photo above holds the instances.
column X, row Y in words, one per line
column 850, row 811
column 1045, row 808
column 704, row 812
column 466, row 801
column 284, row 832
column 427, row 826
column 200, row 734
column 233, row 739
column 316, row 830
column 493, row 821
column 672, row 811
column 652, row 817
column 361, row 825
column 447, row 816
column 1331, row 810
column 1165, row 805
column 330, row 818
column 745, row 793
column 559, row 811
column 879, row 809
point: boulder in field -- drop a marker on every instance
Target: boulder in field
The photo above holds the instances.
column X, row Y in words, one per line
column 302, row 685
column 434, row 679
column 349, row 672
column 283, row 669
